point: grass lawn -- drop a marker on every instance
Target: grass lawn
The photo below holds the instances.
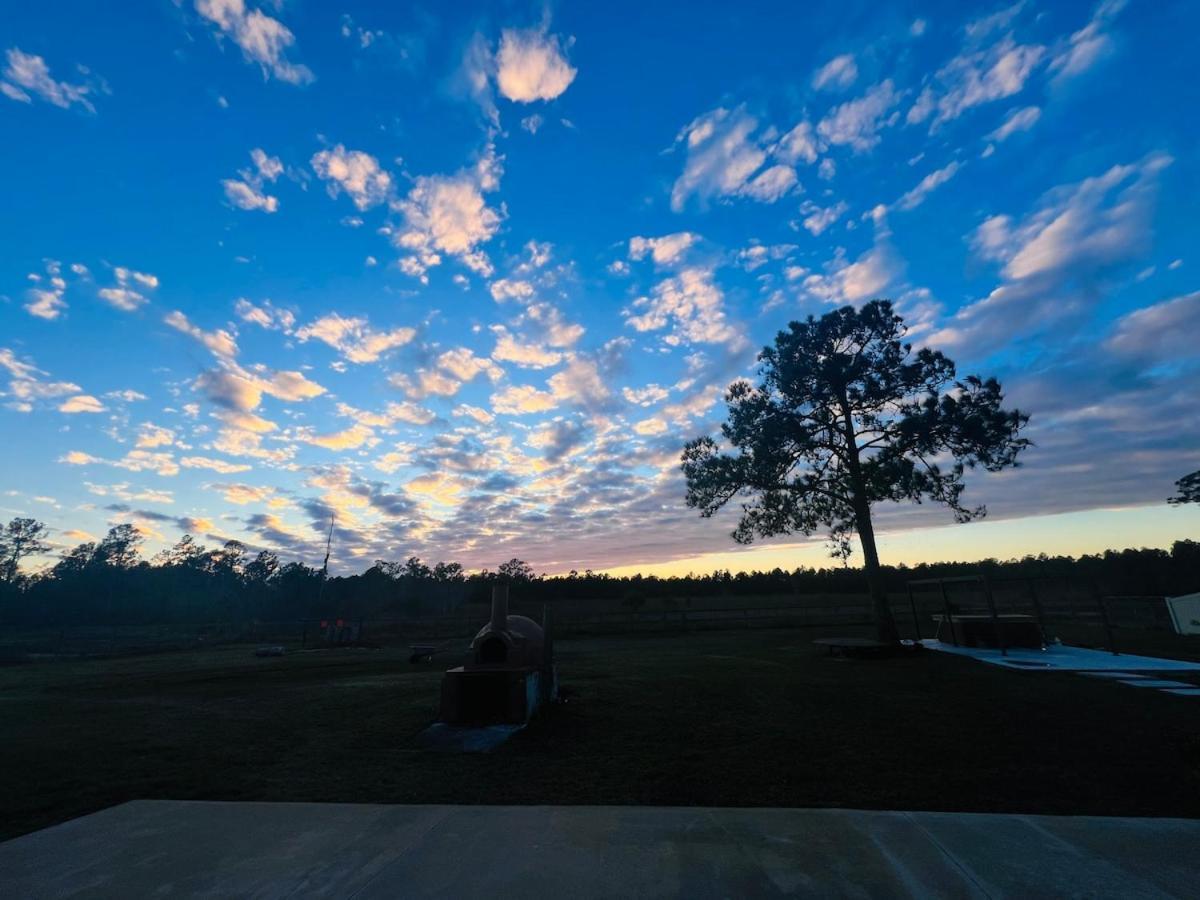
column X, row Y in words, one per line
column 719, row 718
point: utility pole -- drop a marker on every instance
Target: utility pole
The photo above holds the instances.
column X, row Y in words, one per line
column 325, row 565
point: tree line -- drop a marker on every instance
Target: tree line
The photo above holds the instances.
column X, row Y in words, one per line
column 110, row 582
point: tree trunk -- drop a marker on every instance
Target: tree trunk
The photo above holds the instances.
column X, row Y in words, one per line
column 885, row 624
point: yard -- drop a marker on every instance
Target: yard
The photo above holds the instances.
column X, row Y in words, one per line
column 742, row 718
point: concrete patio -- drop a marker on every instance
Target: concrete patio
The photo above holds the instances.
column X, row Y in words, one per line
column 169, row 848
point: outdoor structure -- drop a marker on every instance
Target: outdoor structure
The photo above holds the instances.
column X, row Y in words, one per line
column 508, row 673
column 1185, row 613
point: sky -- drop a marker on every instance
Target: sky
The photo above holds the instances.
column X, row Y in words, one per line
column 469, row 280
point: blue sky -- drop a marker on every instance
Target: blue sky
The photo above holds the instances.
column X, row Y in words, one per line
column 472, row 280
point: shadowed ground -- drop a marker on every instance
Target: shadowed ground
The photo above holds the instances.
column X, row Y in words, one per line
column 756, row 718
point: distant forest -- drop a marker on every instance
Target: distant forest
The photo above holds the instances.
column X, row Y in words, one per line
column 108, row 582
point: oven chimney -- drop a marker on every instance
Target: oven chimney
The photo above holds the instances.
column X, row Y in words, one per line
column 500, row 606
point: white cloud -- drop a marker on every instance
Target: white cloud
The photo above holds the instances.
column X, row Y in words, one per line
column 268, row 167
column 355, row 172
column 645, row 396
column 530, row 66
column 866, row 278
column 347, row 439
column 446, row 376
column 840, row 72
column 976, row 77
column 127, row 294
column 817, row 219
column 215, row 465
column 724, row 158
column 550, row 325
column 1089, row 44
column 581, row 382
column 82, row 403
column 1018, row 120
column 857, row 123
column 1098, row 220
column 693, row 303
column 1162, row 333
column 26, row 388
column 448, row 214
column 758, row 255
column 46, row 301
column 246, row 196
column 517, row 400
column 354, row 338
column 219, row 342
column 151, row 435
column 266, row 316
column 248, row 193
column 770, row 184
column 26, row 74
column 649, row 427
column 482, row 416
column 1054, row 262
column 465, row 365
column 239, row 391
column 931, row 182
column 510, row 289
column 527, row 355
column 801, row 143
column 263, row 40
column 663, row 250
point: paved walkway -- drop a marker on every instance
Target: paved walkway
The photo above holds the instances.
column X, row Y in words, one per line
column 166, row 848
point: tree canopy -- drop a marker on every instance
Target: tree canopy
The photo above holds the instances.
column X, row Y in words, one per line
column 1189, row 489
column 20, row 538
column 846, row 415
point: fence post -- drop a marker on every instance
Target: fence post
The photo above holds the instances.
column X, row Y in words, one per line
column 1037, row 607
column 913, row 604
column 987, row 590
column 1112, row 644
column 946, row 611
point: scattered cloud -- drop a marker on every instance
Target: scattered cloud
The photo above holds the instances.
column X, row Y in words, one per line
column 725, row 158
column 218, row 342
column 517, row 400
column 353, row 337
column 356, row 173
column 82, row 403
column 817, row 219
column 532, row 66
column 263, row 40
column 663, row 250
column 46, row 300
column 931, row 182
column 1161, row 333
column 248, row 193
column 26, row 76
column 976, row 76
column 839, row 73
column 1088, row 45
column 265, row 316
column 447, row 214
column 857, row 123
column 1017, row 120
column 1055, row 261
column 692, row 303
column 126, row 295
